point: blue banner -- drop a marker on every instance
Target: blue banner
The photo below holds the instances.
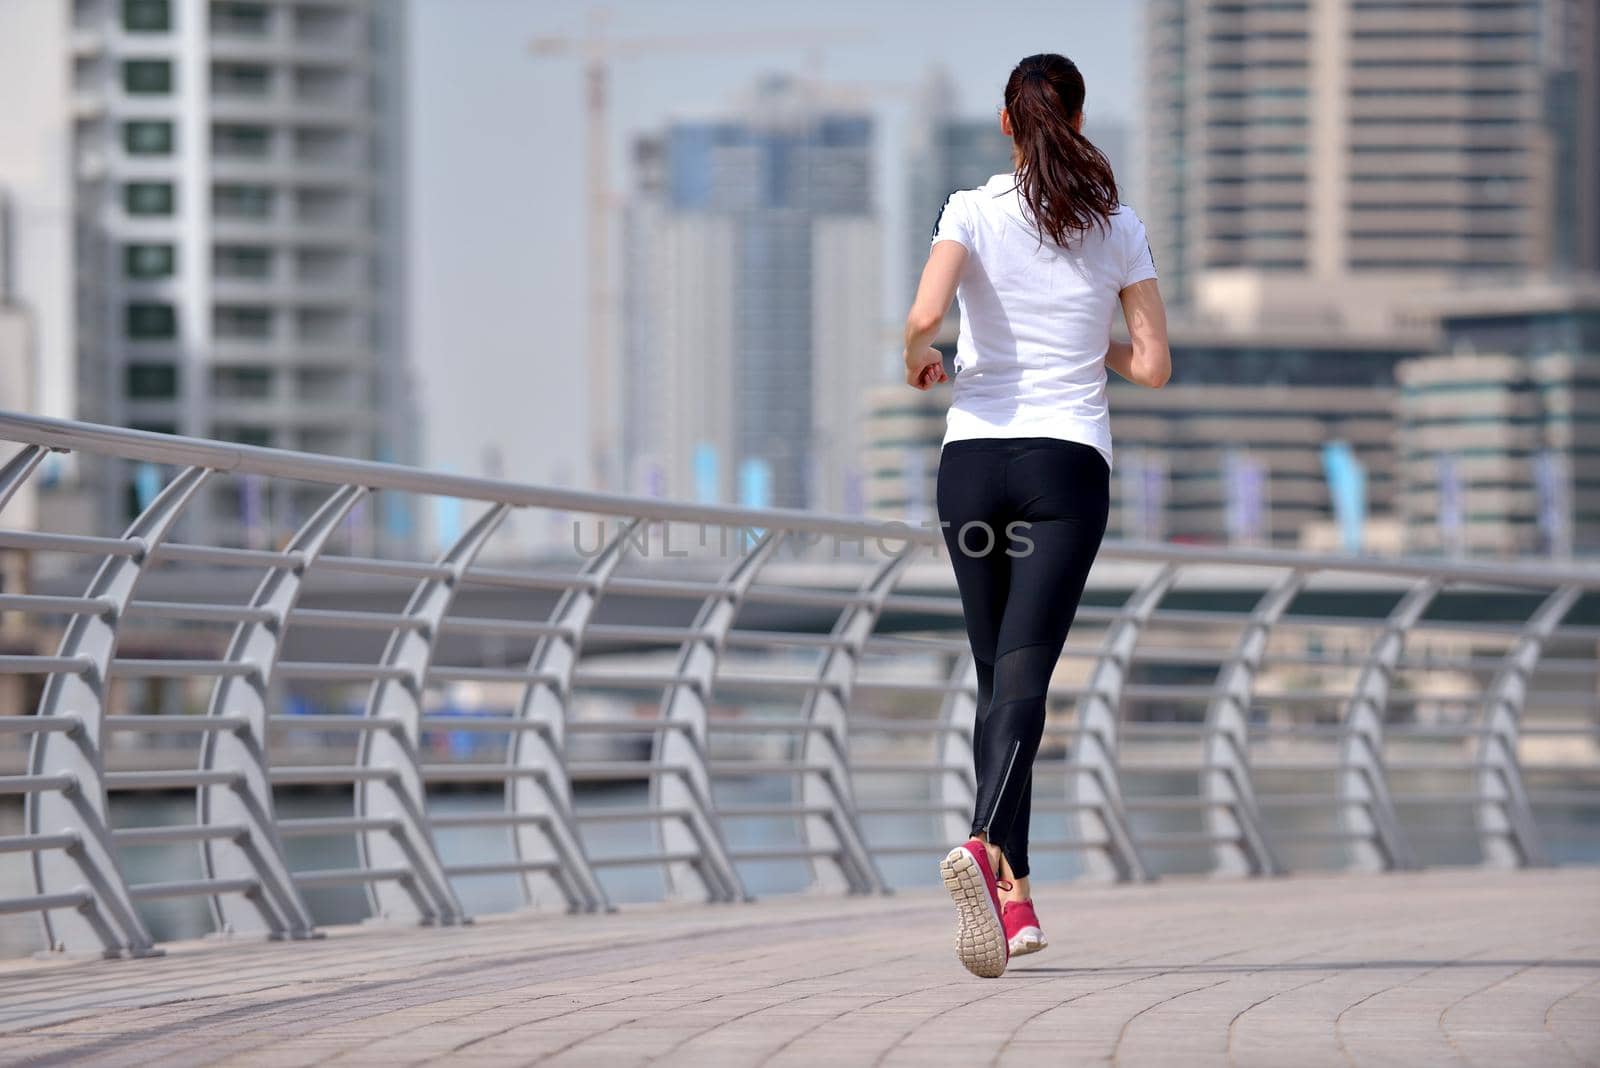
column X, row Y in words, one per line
column 1347, row 485
column 146, row 483
column 755, row 483
column 1452, row 525
column 706, row 488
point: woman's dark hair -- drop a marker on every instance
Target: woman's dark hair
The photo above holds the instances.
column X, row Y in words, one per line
column 1064, row 180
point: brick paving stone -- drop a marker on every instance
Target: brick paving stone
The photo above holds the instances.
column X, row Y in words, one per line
column 1445, row 967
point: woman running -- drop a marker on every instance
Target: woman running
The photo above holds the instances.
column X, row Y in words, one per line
column 1039, row 260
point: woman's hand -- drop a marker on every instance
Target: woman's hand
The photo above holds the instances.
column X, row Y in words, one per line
column 925, row 370
column 924, row 364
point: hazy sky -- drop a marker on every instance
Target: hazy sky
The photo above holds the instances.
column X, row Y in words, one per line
column 497, row 170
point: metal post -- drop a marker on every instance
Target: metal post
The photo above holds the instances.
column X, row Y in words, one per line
column 275, row 908
column 82, row 810
column 827, row 705
column 1364, row 804
column 1225, row 780
column 547, row 701
column 1506, row 829
column 428, row 896
column 685, row 702
column 957, row 783
column 1092, row 779
column 17, row 469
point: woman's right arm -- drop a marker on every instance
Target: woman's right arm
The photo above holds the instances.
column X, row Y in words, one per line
column 925, row 364
column 1144, row 360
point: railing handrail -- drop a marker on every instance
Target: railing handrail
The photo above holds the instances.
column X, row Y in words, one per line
column 85, row 899
column 67, row 434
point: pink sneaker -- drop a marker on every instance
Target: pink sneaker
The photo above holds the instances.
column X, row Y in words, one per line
column 1023, row 934
column 981, row 936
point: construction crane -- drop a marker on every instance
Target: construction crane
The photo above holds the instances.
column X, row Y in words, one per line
column 598, row 51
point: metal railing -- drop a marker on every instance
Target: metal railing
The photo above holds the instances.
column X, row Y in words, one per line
column 1232, row 711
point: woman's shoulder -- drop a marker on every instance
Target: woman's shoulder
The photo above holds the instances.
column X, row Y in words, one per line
column 963, row 209
column 1125, row 216
column 999, row 188
column 1124, row 228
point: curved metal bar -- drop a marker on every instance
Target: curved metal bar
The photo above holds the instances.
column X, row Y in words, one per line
column 957, row 783
column 684, row 701
column 1506, row 828
column 17, row 470
column 1092, row 780
column 547, row 701
column 827, row 705
column 117, row 929
column 1225, row 782
column 275, row 908
column 1365, row 807
column 426, row 897
column 65, row 434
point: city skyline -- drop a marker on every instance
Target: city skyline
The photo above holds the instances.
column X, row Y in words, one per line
column 502, row 217
column 659, row 474
column 238, row 248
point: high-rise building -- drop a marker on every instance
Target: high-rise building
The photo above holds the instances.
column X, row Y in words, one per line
column 1316, row 158
column 1270, row 398
column 946, row 152
column 212, row 204
column 18, row 370
column 752, row 286
column 1276, row 397
column 1112, row 137
column 1471, row 429
column 16, row 363
column 1477, row 429
column 1498, row 446
column 904, row 427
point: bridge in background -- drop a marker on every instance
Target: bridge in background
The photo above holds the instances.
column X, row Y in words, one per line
column 801, row 697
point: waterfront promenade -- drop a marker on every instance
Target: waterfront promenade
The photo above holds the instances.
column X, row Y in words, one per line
column 1443, row 967
column 245, row 739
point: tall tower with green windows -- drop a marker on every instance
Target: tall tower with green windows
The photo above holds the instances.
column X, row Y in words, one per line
column 230, row 204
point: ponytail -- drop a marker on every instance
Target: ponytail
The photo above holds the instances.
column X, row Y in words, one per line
column 1065, row 182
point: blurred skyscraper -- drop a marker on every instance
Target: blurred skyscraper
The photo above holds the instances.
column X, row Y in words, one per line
column 18, row 369
column 1315, row 159
column 904, row 427
column 1498, row 446
column 1112, row 136
column 211, row 235
column 16, row 389
column 1345, row 189
column 751, row 286
column 946, row 152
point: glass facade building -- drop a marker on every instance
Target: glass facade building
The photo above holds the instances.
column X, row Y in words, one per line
column 752, row 272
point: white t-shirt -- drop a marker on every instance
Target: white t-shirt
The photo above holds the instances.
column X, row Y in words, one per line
column 1035, row 319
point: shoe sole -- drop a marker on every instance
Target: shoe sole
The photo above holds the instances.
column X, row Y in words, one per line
column 980, row 940
column 1028, row 940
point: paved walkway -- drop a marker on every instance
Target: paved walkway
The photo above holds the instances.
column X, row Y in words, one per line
column 1438, row 968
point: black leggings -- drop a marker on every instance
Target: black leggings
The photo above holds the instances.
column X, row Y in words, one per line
column 1022, row 519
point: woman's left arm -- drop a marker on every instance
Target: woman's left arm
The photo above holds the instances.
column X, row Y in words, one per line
column 1145, row 358
column 924, row 363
